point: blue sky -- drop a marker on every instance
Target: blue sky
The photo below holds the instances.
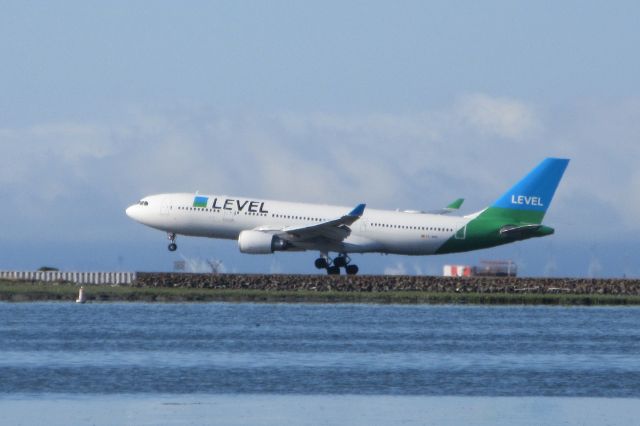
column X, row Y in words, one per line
column 399, row 104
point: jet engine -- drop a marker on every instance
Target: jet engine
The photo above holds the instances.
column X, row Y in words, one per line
column 258, row 242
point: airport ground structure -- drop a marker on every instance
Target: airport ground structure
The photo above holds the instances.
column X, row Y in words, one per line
column 117, row 278
column 188, row 287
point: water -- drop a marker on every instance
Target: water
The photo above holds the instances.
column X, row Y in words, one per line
column 302, row 355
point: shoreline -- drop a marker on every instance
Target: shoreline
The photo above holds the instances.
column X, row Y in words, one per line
column 17, row 291
column 327, row 409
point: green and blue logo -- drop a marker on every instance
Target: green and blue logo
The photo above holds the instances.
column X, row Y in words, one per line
column 199, row 201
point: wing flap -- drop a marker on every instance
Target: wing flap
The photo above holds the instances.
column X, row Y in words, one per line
column 333, row 230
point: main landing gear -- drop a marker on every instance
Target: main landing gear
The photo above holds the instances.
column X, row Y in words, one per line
column 172, row 237
column 333, row 265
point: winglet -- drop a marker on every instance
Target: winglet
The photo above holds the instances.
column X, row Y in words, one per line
column 358, row 211
column 456, row 204
column 449, row 209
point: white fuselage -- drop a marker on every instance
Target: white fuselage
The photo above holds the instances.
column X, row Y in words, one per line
column 226, row 217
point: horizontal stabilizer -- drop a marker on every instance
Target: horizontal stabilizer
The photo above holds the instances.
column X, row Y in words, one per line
column 525, row 231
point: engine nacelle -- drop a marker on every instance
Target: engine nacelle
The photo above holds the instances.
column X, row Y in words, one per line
column 258, row 242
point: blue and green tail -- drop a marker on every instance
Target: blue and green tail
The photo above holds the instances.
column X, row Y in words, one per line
column 528, row 200
column 516, row 215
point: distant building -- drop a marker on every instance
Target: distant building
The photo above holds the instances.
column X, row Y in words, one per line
column 457, row 271
column 487, row 268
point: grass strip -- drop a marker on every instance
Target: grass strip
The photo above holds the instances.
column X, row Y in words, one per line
column 27, row 292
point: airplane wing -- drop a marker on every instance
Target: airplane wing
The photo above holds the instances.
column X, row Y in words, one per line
column 333, row 230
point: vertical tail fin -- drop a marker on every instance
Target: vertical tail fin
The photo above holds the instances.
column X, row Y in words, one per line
column 527, row 201
column 516, row 215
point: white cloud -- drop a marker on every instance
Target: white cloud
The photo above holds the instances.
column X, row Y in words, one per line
column 275, row 267
column 502, row 117
column 397, row 269
column 595, row 267
column 550, row 268
column 203, row 266
column 45, row 162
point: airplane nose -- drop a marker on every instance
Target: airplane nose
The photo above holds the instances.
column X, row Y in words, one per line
column 131, row 211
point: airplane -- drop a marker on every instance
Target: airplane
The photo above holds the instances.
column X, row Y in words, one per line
column 266, row 226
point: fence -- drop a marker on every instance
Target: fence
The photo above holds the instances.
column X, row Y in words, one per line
column 74, row 277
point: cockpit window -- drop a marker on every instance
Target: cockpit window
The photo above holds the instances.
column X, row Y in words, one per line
column 143, row 203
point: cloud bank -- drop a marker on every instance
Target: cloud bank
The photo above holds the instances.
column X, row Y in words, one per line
column 60, row 179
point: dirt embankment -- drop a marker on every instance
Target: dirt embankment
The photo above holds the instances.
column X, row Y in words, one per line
column 380, row 283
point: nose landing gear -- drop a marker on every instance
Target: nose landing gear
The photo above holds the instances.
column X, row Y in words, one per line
column 333, row 265
column 172, row 237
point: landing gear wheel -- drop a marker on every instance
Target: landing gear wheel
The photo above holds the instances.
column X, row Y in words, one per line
column 321, row 263
column 333, row 270
column 340, row 261
column 172, row 238
column 351, row 269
